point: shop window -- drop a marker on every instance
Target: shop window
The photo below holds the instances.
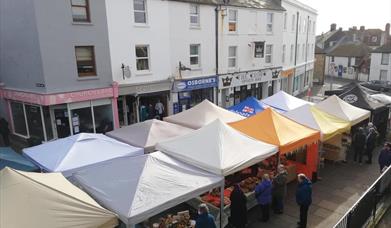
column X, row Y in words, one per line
column 259, row 91
column 269, row 22
column 48, row 123
column 195, row 55
column 194, row 15
column 34, row 121
column 269, row 53
column 80, row 11
column 253, row 90
column 82, row 120
column 19, row 122
column 232, row 57
column 142, row 58
column 140, row 11
column 85, row 59
column 103, row 117
column 232, row 20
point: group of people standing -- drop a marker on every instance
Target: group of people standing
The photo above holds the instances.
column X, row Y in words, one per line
column 270, row 193
column 151, row 111
column 364, row 142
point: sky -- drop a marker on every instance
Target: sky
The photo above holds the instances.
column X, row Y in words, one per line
column 349, row 13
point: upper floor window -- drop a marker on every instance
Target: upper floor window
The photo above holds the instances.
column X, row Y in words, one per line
column 232, row 57
column 385, row 58
column 298, row 52
column 303, row 52
column 304, row 25
column 314, row 27
column 383, row 75
column 195, row 55
column 349, row 61
column 283, row 53
column 269, row 53
column 194, row 15
column 374, row 39
column 293, row 27
column 140, row 11
column 80, row 11
column 285, row 21
column 85, row 59
column 299, row 26
column 309, row 26
column 142, row 58
column 292, row 53
column 269, row 22
column 232, row 20
column 332, row 59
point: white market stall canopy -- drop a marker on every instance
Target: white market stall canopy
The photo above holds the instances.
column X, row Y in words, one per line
column 381, row 98
column 339, row 108
column 69, row 154
column 138, row 188
column 284, row 101
column 47, row 200
column 146, row 134
column 203, row 114
column 218, row 148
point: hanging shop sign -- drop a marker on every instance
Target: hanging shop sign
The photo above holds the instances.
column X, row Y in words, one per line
column 288, row 73
column 250, row 77
column 194, row 84
column 259, row 48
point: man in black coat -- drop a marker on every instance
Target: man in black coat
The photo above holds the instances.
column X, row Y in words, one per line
column 371, row 140
column 238, row 208
column 359, row 141
column 4, row 130
column 385, row 157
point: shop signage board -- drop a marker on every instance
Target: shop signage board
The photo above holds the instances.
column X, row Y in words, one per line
column 194, row 84
column 250, row 77
column 52, row 99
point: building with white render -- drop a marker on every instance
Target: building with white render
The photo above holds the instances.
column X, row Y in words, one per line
column 381, row 63
column 90, row 66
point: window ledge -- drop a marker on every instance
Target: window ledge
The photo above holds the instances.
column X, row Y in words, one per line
column 232, row 33
column 195, row 27
column 86, row 78
column 143, row 73
column 269, row 33
column 83, row 23
column 137, row 25
column 196, row 68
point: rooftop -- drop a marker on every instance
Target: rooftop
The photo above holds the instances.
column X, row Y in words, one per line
column 383, row 49
column 351, row 49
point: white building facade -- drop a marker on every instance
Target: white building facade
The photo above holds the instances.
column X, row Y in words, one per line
column 298, row 47
column 381, row 64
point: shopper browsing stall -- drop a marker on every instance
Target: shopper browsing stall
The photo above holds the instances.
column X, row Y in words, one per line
column 263, row 193
column 205, row 219
column 279, row 189
column 359, row 144
column 238, row 207
column 371, row 143
column 303, row 198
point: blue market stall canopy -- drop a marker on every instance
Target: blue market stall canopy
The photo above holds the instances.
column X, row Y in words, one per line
column 8, row 157
column 249, row 107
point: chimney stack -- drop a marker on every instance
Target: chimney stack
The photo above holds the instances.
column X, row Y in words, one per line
column 362, row 28
column 354, row 28
column 387, row 29
column 333, row 27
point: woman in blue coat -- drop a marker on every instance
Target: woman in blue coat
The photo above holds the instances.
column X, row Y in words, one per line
column 263, row 193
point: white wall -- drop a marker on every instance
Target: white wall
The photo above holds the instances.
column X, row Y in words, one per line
column 251, row 27
column 182, row 35
column 376, row 67
column 341, row 61
column 124, row 35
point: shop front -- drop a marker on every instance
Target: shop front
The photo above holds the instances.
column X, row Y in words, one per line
column 44, row 117
column 188, row 93
column 140, row 102
column 236, row 87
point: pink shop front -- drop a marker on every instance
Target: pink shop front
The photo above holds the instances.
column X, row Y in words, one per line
column 44, row 117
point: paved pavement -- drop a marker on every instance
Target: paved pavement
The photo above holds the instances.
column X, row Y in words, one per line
column 340, row 187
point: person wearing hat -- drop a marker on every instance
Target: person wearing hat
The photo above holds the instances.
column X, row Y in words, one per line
column 238, row 208
column 303, row 198
column 279, row 189
column 205, row 219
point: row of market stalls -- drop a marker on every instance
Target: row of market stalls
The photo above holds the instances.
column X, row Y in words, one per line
column 142, row 172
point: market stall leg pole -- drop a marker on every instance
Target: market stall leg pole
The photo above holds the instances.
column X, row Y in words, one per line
column 221, row 204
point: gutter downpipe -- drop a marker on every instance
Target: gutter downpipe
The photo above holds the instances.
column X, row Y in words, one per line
column 217, row 9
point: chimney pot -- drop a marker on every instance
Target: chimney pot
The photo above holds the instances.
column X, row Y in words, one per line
column 387, row 29
column 333, row 27
column 354, row 28
column 362, row 28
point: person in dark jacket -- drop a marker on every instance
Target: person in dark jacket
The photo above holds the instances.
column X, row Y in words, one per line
column 5, row 131
column 359, row 140
column 263, row 193
column 238, row 208
column 279, row 189
column 204, row 220
column 303, row 198
column 385, row 156
column 371, row 143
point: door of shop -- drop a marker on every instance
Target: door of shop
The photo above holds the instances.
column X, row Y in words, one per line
column 60, row 119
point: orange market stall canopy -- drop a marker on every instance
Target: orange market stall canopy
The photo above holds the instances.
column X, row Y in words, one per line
column 203, row 114
column 146, row 134
column 273, row 128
